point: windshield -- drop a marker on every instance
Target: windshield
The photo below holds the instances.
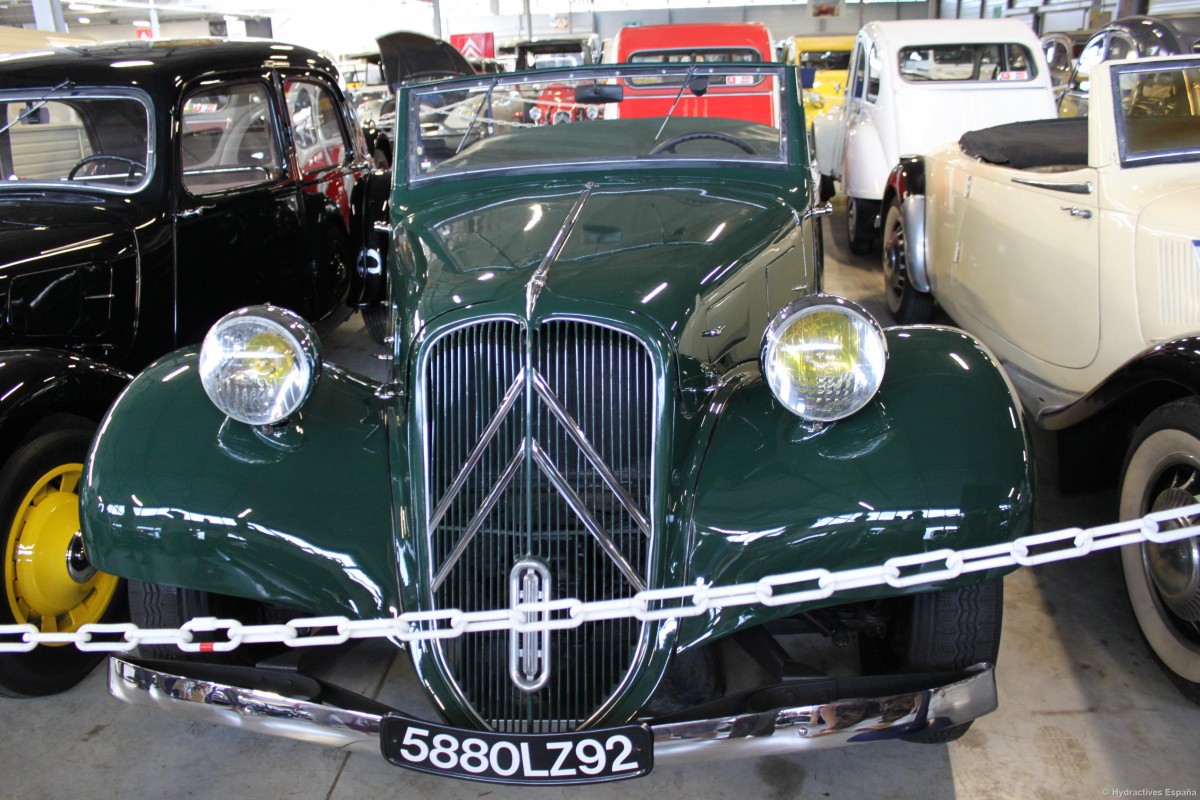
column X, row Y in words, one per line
column 699, row 114
column 824, row 59
column 97, row 141
column 1158, row 117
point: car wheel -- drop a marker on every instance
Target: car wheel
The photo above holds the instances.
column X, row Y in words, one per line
column 908, row 305
column 939, row 631
column 1162, row 471
column 155, row 606
column 860, row 226
column 375, row 320
column 47, row 581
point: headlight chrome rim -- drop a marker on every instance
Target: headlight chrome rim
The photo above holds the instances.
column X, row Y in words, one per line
column 866, row 372
column 237, row 380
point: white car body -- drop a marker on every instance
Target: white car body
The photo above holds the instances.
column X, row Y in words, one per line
column 887, row 115
column 1071, row 249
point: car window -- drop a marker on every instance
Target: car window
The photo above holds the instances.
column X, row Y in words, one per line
column 97, row 141
column 967, row 62
column 823, row 59
column 1158, row 118
column 706, row 55
column 856, row 76
column 704, row 115
column 229, row 138
column 313, row 114
column 1119, row 47
column 874, row 69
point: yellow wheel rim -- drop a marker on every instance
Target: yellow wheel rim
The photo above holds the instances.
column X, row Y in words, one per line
column 37, row 581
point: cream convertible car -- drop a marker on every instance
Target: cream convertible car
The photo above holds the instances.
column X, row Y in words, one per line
column 1072, row 249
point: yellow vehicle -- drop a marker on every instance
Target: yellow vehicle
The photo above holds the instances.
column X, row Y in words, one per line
column 829, row 56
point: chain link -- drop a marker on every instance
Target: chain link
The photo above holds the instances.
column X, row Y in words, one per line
column 789, row 588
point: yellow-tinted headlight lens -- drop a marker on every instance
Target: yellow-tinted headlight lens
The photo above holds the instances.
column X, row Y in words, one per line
column 823, row 358
column 258, row 365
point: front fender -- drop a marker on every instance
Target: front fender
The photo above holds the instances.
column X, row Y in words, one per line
column 865, row 166
column 825, row 130
column 939, row 459
column 37, row 384
column 906, row 187
column 176, row 493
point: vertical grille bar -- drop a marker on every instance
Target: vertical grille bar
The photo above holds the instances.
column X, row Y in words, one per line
column 599, row 379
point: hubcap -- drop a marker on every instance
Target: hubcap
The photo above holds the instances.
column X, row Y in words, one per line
column 46, row 577
column 1175, row 567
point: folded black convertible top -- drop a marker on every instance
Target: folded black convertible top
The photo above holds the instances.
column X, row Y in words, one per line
column 1035, row 143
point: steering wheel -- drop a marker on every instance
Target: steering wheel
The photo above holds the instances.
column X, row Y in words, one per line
column 670, row 144
column 98, row 157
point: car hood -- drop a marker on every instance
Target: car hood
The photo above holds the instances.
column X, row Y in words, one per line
column 408, row 57
column 667, row 252
column 35, row 232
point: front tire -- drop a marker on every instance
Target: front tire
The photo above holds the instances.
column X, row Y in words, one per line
column 908, row 305
column 940, row 631
column 47, row 583
column 860, row 225
column 1162, row 471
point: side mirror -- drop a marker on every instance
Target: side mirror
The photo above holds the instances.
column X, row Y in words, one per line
column 595, row 93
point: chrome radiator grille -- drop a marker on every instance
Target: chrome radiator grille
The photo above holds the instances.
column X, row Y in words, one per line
column 539, row 483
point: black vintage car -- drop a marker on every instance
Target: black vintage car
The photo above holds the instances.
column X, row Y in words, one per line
column 148, row 189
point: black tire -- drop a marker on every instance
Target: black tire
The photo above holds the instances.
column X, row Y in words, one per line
column 156, row 606
column 939, row 631
column 860, row 225
column 1162, row 471
column 908, row 305
column 375, row 320
column 39, row 514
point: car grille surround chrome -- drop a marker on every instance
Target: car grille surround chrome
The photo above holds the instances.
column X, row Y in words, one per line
column 538, row 470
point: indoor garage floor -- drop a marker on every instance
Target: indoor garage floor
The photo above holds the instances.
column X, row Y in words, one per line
column 1084, row 711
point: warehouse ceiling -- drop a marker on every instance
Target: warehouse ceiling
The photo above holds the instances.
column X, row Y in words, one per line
column 122, row 12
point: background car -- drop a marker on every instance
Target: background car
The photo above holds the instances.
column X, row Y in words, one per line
column 1069, row 246
column 699, row 43
column 613, row 371
column 1128, row 37
column 915, row 84
column 1062, row 50
column 829, row 59
column 149, row 189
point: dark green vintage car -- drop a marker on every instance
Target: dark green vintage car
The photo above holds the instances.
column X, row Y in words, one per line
column 613, row 372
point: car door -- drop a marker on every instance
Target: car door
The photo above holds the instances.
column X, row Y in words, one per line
column 1026, row 265
column 238, row 233
column 328, row 166
column 852, row 107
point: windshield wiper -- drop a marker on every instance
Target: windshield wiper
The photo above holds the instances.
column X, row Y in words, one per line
column 487, row 101
column 687, row 79
column 24, row 115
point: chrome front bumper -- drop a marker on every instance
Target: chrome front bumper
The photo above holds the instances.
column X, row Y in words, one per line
column 777, row 731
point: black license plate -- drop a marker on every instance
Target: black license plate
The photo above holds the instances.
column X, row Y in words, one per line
column 607, row 754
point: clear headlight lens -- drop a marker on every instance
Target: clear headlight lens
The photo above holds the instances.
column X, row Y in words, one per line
column 823, row 358
column 535, row 114
column 258, row 365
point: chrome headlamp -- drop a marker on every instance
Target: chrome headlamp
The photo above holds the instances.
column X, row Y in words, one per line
column 823, row 357
column 259, row 364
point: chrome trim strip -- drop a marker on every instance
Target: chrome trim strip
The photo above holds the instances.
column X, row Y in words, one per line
column 572, row 428
column 529, row 581
column 489, row 433
column 510, row 471
column 1069, row 188
column 772, row 732
column 580, row 508
column 538, row 281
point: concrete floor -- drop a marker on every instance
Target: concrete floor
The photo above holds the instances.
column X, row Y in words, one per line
column 1084, row 711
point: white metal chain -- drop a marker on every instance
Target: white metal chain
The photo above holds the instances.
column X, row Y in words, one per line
column 787, row 588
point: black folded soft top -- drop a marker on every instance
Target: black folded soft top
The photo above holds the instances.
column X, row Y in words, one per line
column 1035, row 143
